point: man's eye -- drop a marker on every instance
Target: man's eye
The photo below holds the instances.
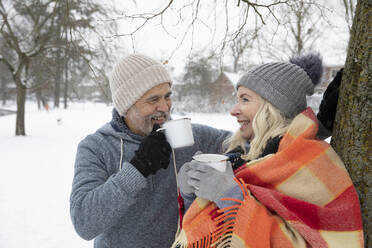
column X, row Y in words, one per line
column 245, row 99
column 153, row 100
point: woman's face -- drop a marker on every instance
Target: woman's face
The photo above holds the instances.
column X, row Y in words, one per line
column 245, row 110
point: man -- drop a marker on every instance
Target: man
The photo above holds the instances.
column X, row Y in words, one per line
column 124, row 191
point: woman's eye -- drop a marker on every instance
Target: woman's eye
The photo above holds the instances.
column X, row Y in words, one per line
column 245, row 99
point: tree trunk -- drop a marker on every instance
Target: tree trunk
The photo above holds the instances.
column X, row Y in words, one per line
column 236, row 64
column 38, row 98
column 3, row 92
column 21, row 100
column 57, row 86
column 66, row 83
column 353, row 125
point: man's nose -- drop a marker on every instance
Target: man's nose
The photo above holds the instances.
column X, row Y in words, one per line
column 163, row 105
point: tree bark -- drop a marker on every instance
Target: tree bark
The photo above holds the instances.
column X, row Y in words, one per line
column 58, row 76
column 21, row 100
column 3, row 92
column 66, row 83
column 236, row 61
column 38, row 98
column 353, row 125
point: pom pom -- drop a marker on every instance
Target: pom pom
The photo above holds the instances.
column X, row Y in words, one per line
column 312, row 64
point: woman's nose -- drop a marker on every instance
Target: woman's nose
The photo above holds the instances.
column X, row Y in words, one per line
column 235, row 110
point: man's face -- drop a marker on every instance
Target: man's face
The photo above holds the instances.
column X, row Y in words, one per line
column 152, row 108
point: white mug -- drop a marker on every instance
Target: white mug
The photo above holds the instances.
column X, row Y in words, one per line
column 178, row 132
column 217, row 161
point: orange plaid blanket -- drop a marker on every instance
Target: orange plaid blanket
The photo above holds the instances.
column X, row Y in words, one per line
column 301, row 196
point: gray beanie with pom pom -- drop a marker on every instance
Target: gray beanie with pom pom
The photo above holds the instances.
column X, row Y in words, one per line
column 285, row 85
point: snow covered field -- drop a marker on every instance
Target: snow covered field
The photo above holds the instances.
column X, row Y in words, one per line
column 36, row 172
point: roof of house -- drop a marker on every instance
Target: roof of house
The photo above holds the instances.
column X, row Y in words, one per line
column 233, row 77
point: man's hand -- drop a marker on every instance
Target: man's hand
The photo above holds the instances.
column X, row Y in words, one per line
column 328, row 105
column 153, row 153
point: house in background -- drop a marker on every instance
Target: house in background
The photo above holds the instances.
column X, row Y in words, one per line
column 224, row 88
column 219, row 96
column 226, row 81
column 329, row 72
column 223, row 92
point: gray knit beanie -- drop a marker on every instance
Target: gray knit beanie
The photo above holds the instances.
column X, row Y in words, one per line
column 285, row 85
column 132, row 77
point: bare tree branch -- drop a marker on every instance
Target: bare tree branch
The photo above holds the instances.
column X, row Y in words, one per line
column 40, row 46
column 10, row 37
column 95, row 76
column 146, row 17
column 349, row 12
column 240, row 29
column 266, row 5
column 263, row 11
column 227, row 28
column 195, row 17
column 10, row 67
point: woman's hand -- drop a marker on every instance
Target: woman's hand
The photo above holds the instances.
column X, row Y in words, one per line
column 183, row 178
column 210, row 183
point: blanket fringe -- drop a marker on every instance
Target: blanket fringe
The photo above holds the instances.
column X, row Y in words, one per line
column 222, row 236
column 181, row 240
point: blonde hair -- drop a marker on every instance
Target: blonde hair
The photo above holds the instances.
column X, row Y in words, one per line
column 267, row 123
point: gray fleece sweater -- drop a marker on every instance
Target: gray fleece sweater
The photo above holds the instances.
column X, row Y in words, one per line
column 120, row 207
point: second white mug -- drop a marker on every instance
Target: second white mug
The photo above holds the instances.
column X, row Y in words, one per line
column 217, row 161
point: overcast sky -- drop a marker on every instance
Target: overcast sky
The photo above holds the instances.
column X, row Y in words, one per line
column 163, row 40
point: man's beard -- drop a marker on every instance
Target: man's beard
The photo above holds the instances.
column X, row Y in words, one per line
column 144, row 123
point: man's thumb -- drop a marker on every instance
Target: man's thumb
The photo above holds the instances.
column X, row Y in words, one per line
column 198, row 152
column 155, row 127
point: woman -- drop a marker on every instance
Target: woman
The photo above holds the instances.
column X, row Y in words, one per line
column 287, row 189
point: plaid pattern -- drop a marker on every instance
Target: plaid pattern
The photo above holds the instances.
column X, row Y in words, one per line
column 301, row 196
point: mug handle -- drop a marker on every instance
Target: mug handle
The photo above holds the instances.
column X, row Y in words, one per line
column 160, row 129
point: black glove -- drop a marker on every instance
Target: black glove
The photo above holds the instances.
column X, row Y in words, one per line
column 152, row 154
column 234, row 156
column 328, row 105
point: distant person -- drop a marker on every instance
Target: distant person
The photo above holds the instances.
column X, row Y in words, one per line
column 124, row 191
column 46, row 106
column 287, row 189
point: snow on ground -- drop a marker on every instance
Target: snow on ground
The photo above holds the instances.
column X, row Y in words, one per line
column 36, row 172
